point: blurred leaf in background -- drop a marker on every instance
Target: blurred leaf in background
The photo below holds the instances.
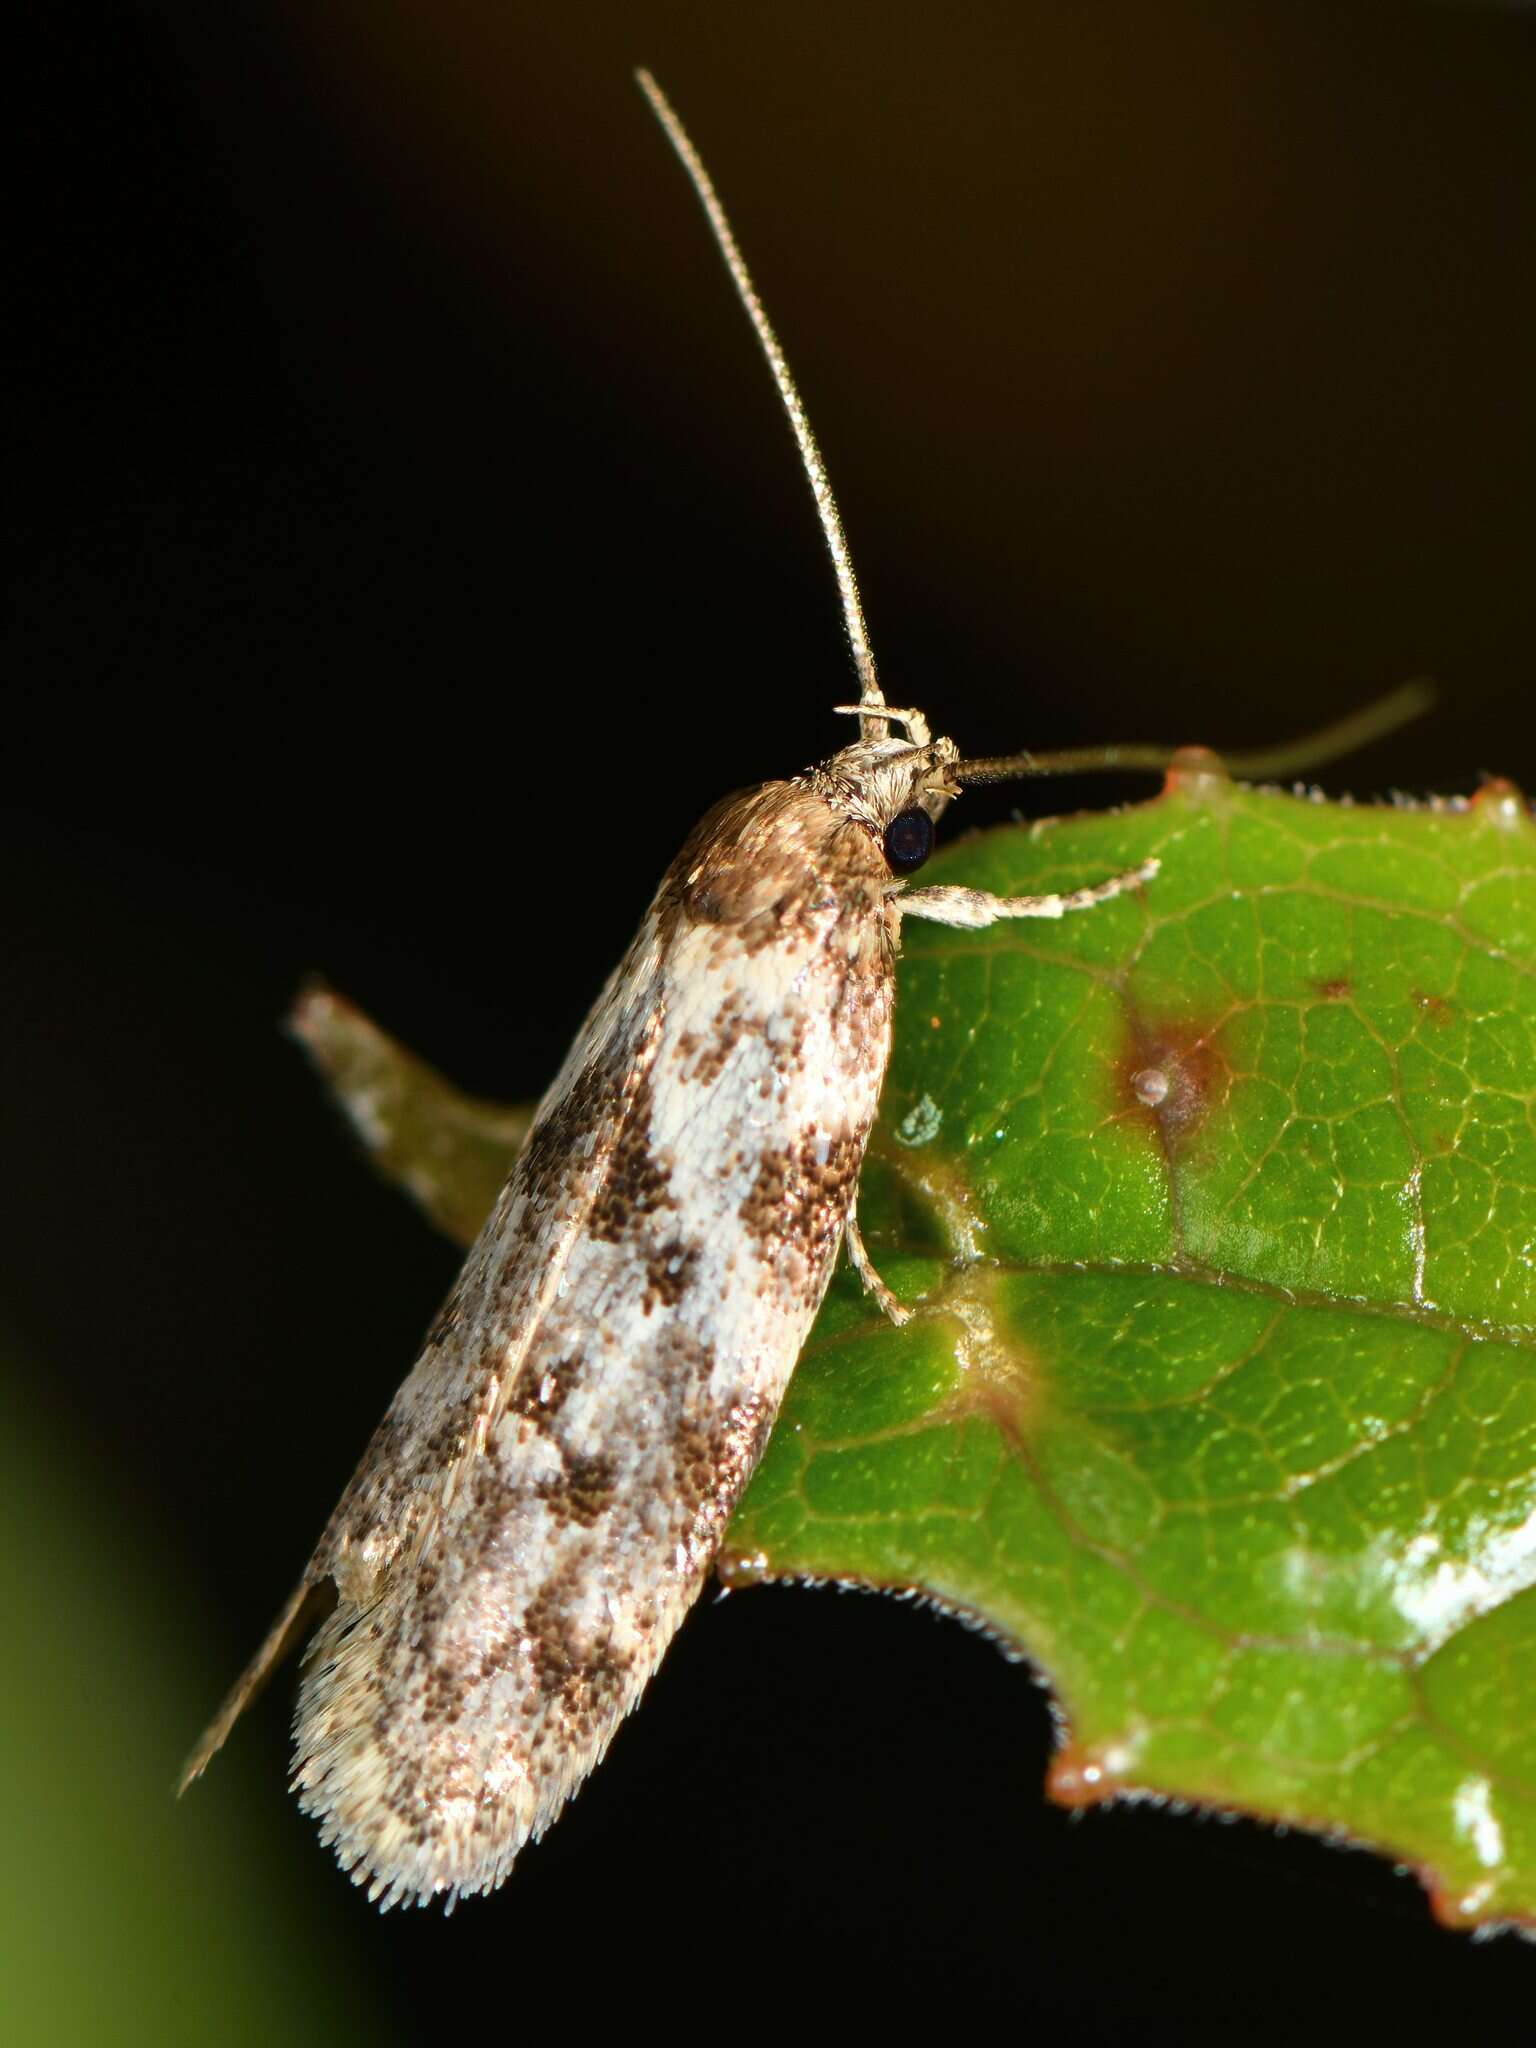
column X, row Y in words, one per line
column 129, row 1919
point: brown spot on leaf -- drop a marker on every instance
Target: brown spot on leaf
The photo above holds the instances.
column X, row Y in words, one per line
column 1172, row 1074
column 1336, row 990
column 1437, row 1009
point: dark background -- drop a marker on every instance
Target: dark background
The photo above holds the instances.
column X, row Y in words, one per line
column 404, row 549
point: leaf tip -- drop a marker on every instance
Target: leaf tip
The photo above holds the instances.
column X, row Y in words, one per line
column 317, row 1013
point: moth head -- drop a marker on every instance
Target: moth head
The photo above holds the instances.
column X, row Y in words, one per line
column 896, row 788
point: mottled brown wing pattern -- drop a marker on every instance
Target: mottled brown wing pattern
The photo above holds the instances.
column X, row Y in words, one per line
column 545, row 1497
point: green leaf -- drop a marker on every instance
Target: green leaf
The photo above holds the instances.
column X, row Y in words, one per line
column 450, row 1151
column 129, row 1919
column 1219, row 1206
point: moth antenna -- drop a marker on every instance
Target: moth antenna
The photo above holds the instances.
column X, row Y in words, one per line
column 872, row 725
column 1346, row 735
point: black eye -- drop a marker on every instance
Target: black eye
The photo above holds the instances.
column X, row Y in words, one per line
column 909, row 841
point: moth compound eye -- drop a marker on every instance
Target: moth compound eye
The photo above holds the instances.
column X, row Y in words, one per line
column 909, row 841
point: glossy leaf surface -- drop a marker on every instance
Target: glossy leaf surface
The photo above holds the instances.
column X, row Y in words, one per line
column 1218, row 1204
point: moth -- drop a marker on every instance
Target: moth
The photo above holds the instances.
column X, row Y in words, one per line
column 547, row 1493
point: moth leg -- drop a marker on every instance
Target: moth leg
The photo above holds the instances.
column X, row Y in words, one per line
column 864, row 1266
column 975, row 907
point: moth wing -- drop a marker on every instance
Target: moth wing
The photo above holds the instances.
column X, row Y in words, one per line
column 619, row 1038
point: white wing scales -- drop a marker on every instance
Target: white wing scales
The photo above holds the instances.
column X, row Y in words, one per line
column 543, row 1501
